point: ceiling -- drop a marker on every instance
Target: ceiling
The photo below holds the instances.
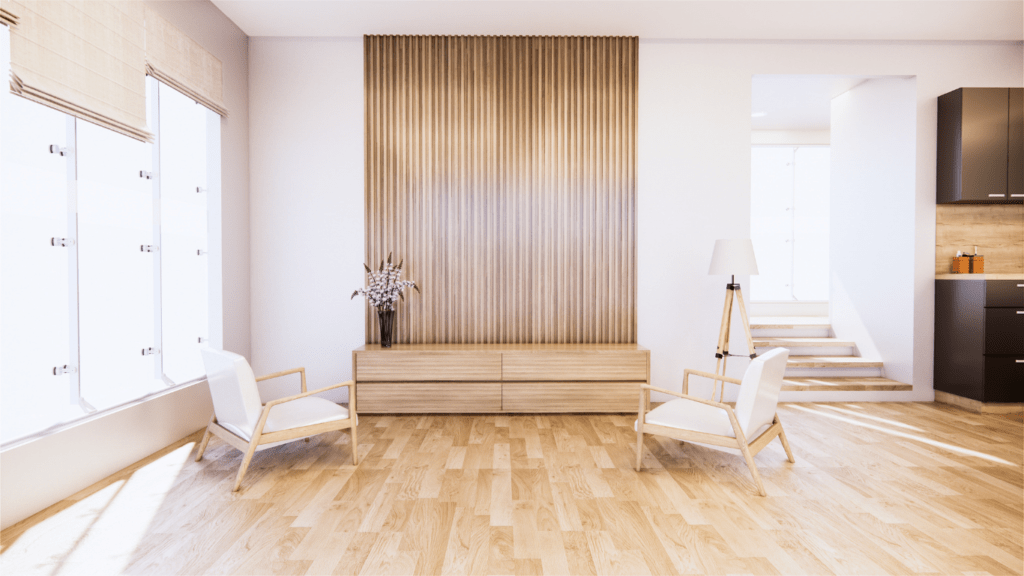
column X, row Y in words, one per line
column 796, row 102
column 884, row 20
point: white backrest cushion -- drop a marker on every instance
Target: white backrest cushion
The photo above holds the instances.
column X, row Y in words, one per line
column 759, row 393
column 236, row 399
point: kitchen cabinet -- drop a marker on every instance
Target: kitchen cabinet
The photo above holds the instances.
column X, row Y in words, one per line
column 979, row 338
column 980, row 155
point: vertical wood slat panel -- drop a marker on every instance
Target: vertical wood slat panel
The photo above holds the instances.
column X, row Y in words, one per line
column 503, row 170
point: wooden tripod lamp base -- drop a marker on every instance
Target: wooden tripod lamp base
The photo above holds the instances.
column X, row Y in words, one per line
column 732, row 257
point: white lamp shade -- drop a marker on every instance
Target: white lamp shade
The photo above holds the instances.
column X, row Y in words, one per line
column 733, row 257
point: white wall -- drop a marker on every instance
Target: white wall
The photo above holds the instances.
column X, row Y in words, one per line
column 306, row 121
column 694, row 178
column 872, row 221
column 693, row 187
column 40, row 473
column 790, row 137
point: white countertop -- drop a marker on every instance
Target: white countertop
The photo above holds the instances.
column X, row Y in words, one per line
column 979, row 276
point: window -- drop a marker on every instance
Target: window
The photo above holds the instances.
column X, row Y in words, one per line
column 104, row 259
column 183, row 232
column 789, row 223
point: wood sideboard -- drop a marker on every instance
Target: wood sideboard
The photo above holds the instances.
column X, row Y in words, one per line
column 474, row 378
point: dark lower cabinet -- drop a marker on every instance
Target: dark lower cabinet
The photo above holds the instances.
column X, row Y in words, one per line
column 979, row 339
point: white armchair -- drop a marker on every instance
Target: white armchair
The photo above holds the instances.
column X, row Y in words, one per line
column 718, row 425
column 241, row 420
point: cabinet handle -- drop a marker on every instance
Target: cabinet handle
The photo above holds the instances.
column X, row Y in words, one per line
column 1020, row 285
column 1020, row 311
column 1020, row 361
column 997, row 195
column 1016, row 195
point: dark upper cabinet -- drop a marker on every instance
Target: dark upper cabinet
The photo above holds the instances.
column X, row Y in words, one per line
column 1015, row 143
column 981, row 146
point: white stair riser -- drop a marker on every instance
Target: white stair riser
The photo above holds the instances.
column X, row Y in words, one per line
column 831, row 372
column 792, row 333
column 814, row 351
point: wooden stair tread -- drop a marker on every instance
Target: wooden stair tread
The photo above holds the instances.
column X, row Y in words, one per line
column 789, row 322
column 800, row 342
column 843, row 384
column 831, row 362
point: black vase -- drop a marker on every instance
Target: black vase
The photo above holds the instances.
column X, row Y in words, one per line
column 386, row 321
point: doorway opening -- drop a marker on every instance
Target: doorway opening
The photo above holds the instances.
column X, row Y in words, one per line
column 791, row 158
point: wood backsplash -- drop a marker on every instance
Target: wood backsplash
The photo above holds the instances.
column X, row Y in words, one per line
column 997, row 231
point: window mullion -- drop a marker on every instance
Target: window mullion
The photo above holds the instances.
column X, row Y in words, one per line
column 154, row 114
column 71, row 158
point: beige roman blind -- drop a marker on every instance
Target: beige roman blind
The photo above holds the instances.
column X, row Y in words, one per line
column 84, row 58
column 180, row 62
column 6, row 16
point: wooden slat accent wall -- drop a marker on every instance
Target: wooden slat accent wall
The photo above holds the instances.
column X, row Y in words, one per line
column 503, row 170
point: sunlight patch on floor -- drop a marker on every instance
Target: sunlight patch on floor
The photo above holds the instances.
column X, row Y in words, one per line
column 99, row 534
column 875, row 418
column 915, row 437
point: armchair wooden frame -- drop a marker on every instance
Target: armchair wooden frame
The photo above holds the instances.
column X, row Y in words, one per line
column 749, row 450
column 259, row 438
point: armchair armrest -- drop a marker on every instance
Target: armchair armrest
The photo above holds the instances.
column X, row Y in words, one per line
column 686, row 397
column 709, row 375
column 285, row 373
column 272, row 403
column 266, row 407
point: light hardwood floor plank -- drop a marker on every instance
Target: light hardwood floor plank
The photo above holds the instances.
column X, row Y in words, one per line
column 888, row 488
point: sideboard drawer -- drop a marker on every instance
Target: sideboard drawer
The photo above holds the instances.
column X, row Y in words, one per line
column 570, row 396
column 428, row 397
column 562, row 366
column 427, row 366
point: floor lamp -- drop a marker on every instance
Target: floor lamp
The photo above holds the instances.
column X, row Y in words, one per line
column 732, row 257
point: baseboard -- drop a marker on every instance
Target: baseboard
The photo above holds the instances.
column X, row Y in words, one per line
column 977, row 406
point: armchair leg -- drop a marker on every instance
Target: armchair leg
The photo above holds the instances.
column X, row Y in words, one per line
column 245, row 465
column 645, row 400
column 355, row 444
column 753, row 468
column 639, row 447
column 206, row 439
column 785, row 442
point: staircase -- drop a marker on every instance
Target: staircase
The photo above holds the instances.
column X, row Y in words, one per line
column 817, row 361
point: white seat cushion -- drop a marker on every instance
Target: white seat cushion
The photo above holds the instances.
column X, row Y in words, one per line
column 303, row 412
column 295, row 414
column 689, row 415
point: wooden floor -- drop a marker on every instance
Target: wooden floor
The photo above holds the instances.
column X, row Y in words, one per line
column 876, row 489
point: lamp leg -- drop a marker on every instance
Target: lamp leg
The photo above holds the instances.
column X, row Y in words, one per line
column 746, row 321
column 723, row 330
column 722, row 352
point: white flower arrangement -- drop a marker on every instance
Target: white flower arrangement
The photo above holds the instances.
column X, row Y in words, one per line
column 385, row 285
